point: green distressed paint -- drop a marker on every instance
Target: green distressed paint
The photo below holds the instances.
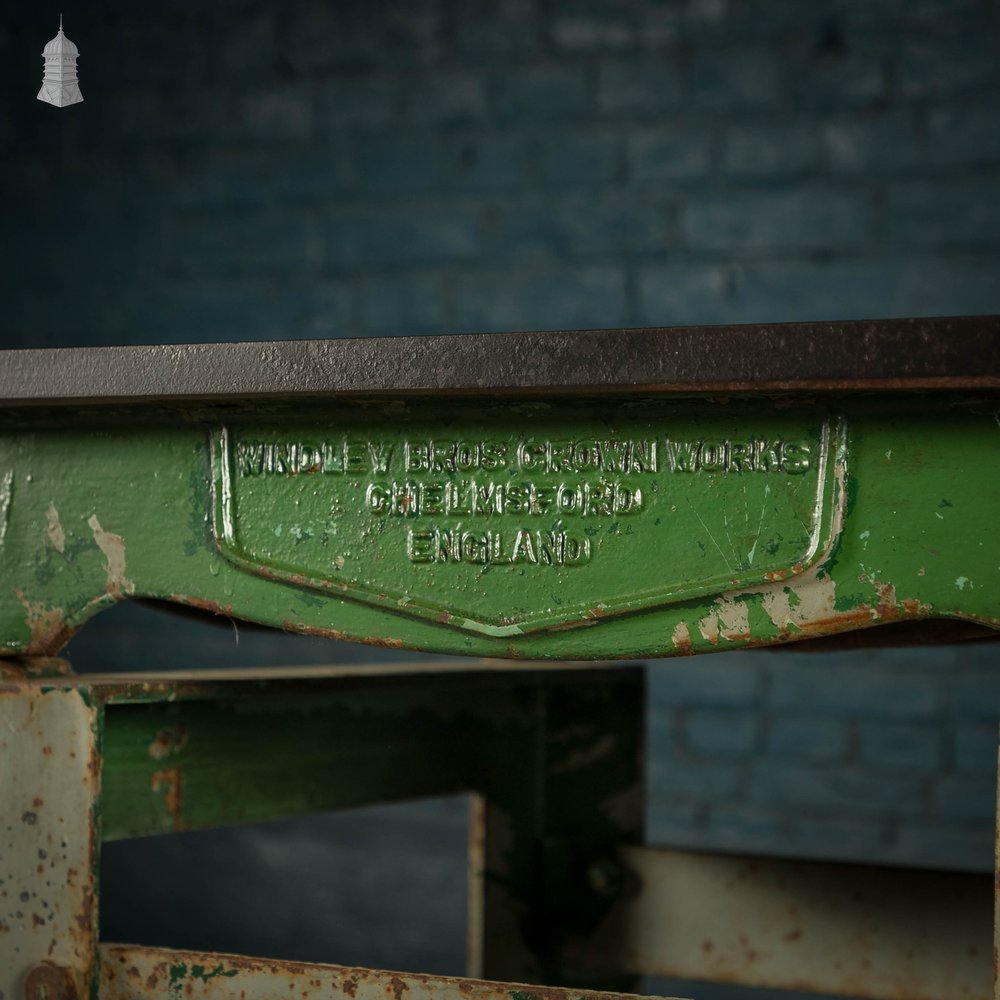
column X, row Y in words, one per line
column 846, row 601
column 361, row 520
column 175, row 985
column 759, row 620
column 200, row 972
column 181, row 974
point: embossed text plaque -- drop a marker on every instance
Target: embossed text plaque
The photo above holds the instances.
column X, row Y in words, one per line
column 507, row 518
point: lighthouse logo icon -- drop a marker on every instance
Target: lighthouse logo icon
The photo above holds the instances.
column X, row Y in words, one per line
column 59, row 86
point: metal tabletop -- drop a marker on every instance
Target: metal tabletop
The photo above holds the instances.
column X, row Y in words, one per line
column 897, row 354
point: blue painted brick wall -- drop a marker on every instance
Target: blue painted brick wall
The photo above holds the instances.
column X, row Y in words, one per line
column 354, row 169
column 885, row 755
column 376, row 169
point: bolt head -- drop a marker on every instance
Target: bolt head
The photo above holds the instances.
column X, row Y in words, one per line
column 48, row 981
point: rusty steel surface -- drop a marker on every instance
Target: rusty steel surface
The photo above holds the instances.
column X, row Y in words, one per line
column 49, row 783
column 131, row 972
column 880, row 933
column 962, row 352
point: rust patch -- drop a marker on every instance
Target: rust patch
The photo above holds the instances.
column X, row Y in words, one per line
column 299, row 579
column 170, row 780
column 386, row 643
column 94, row 767
column 49, row 632
column 85, row 918
column 202, row 604
column 398, row 987
column 331, row 633
column 46, row 666
column 886, row 605
column 169, row 741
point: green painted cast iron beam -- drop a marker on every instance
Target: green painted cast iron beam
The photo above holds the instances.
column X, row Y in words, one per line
column 542, row 529
column 242, row 752
column 624, row 524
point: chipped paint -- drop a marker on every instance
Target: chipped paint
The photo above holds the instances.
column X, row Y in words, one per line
column 708, row 627
column 798, row 602
column 681, row 638
column 800, row 606
column 729, row 618
column 113, row 547
column 802, row 603
column 6, row 495
column 54, row 529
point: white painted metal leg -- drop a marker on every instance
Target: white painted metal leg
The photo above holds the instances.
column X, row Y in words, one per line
column 49, row 776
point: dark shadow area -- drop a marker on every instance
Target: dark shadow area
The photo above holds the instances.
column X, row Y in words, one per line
column 383, row 886
column 153, row 635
